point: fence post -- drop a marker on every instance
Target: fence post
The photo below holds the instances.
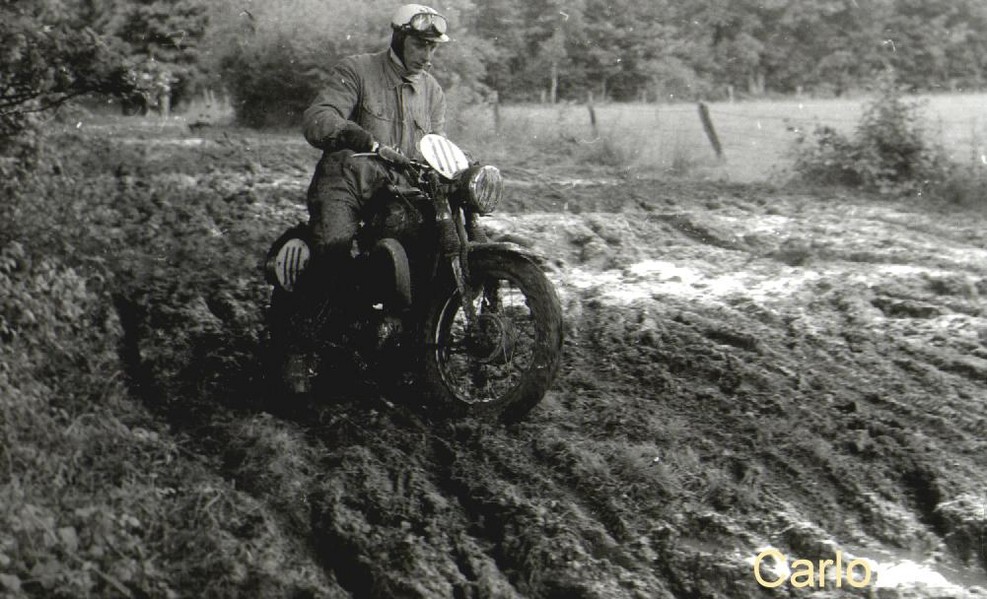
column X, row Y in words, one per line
column 495, row 99
column 592, row 112
column 710, row 131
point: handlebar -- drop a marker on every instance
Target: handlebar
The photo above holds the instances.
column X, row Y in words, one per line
column 410, row 163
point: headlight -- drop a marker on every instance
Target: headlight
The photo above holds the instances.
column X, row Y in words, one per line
column 484, row 188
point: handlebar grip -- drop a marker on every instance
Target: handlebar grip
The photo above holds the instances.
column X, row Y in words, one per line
column 393, row 156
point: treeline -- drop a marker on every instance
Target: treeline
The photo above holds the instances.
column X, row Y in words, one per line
column 271, row 56
column 662, row 49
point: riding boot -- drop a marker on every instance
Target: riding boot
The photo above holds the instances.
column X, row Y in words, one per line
column 318, row 325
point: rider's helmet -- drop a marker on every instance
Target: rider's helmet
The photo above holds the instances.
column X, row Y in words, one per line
column 420, row 21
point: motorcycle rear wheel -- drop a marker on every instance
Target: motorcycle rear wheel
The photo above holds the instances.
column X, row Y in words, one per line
column 506, row 362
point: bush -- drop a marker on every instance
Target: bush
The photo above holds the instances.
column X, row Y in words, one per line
column 271, row 84
column 50, row 56
column 965, row 185
column 98, row 497
column 888, row 153
column 274, row 63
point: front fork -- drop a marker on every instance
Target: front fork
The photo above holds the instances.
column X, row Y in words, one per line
column 455, row 243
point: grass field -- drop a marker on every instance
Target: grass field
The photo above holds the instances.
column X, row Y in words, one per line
column 756, row 136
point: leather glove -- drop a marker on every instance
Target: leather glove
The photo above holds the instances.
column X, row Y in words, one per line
column 355, row 138
column 393, row 155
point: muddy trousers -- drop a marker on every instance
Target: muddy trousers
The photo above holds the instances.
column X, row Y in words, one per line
column 342, row 186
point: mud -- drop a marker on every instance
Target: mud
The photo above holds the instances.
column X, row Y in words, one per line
column 745, row 367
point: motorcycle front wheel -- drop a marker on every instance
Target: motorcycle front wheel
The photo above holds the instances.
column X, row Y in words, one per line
column 504, row 362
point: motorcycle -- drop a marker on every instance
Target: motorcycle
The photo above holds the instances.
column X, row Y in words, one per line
column 475, row 322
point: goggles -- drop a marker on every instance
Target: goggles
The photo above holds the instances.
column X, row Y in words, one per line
column 426, row 23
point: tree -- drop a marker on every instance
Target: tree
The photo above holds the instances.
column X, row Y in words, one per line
column 50, row 54
column 626, row 41
column 936, row 45
column 164, row 38
column 274, row 57
column 500, row 24
column 549, row 29
column 818, row 45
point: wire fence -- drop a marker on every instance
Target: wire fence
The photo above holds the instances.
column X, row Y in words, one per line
column 744, row 140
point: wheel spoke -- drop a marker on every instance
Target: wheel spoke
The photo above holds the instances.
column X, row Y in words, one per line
column 485, row 363
column 507, row 356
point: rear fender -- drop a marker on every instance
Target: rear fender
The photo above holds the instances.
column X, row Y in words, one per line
column 390, row 261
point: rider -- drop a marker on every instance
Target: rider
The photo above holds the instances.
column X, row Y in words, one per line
column 385, row 103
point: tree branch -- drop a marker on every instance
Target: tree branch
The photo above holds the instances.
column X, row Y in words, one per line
column 45, row 105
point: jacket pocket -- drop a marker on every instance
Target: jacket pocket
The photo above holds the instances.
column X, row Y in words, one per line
column 375, row 109
column 423, row 123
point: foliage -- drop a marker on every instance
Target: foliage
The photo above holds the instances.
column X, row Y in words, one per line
column 273, row 56
column 889, row 152
column 53, row 51
column 266, row 93
column 629, row 49
column 964, row 185
column 97, row 497
column 48, row 58
column 164, row 38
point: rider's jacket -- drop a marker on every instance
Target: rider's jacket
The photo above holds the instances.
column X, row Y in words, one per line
column 377, row 93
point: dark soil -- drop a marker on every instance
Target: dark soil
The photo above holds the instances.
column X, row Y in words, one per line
column 745, row 367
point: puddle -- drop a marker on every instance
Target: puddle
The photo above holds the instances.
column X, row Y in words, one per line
column 900, row 568
column 565, row 183
column 653, row 278
column 188, row 142
column 888, row 569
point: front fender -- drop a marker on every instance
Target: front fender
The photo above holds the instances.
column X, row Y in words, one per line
column 492, row 249
column 508, row 247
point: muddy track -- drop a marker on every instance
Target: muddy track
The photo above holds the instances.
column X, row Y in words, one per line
column 743, row 368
